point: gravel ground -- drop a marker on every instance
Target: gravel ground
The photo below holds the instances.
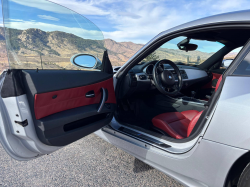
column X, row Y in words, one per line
column 87, row 162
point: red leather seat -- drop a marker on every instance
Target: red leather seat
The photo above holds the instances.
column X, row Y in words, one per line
column 179, row 125
column 218, row 83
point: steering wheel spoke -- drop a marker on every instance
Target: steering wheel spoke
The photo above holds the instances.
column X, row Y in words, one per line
column 159, row 70
column 176, row 87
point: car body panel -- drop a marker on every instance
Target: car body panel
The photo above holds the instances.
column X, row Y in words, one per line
column 20, row 142
column 206, row 164
column 231, row 120
column 209, row 161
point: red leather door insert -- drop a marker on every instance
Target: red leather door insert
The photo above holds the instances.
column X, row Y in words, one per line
column 49, row 103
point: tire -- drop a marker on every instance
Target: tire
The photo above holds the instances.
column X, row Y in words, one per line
column 244, row 180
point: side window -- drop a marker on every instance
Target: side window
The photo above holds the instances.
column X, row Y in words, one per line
column 46, row 35
column 228, row 59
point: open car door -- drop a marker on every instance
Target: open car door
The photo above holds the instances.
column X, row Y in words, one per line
column 47, row 101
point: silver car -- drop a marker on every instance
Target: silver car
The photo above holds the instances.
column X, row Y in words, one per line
column 173, row 105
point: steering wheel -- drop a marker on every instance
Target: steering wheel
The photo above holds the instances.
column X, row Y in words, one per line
column 164, row 79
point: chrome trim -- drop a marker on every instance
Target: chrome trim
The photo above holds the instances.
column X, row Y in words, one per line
column 192, row 102
column 103, row 100
column 156, row 143
column 90, row 95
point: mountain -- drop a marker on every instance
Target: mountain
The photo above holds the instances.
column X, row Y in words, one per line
column 120, row 52
column 3, row 53
column 231, row 55
column 54, row 49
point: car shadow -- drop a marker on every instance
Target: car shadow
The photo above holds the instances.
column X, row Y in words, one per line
column 140, row 166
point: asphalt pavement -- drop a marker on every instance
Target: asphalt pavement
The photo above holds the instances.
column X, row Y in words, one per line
column 88, row 162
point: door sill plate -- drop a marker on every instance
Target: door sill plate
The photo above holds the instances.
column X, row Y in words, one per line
column 136, row 135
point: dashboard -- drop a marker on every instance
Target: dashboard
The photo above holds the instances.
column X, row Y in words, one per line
column 149, row 71
column 139, row 78
column 187, row 72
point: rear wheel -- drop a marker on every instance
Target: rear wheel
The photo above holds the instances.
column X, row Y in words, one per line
column 244, row 180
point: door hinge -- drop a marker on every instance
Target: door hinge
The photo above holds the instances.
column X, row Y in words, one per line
column 22, row 123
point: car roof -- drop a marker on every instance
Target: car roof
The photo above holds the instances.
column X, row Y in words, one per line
column 234, row 17
column 230, row 17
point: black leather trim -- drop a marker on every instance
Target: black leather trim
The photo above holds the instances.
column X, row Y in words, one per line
column 12, row 85
column 52, row 80
column 51, row 129
column 106, row 64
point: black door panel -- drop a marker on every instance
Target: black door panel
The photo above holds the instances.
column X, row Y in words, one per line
column 64, row 127
column 51, row 80
column 68, row 126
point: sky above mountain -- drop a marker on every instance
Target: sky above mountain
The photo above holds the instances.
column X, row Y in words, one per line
column 121, row 20
column 141, row 20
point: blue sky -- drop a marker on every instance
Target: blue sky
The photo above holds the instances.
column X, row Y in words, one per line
column 141, row 20
column 123, row 20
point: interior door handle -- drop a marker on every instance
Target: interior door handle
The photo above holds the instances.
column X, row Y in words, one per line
column 90, row 94
column 103, row 100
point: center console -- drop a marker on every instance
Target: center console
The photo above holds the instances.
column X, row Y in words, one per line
column 191, row 99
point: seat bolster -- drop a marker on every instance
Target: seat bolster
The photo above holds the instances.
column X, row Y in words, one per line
column 170, row 117
column 218, row 83
column 193, row 123
column 189, row 114
column 161, row 124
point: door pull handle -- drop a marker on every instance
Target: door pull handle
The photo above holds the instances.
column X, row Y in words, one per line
column 90, row 94
column 103, row 100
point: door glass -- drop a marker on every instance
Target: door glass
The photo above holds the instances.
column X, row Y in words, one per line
column 41, row 34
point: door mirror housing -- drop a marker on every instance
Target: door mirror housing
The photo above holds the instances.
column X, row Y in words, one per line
column 226, row 63
column 86, row 61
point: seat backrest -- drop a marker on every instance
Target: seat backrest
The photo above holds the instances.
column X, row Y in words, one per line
column 193, row 123
column 218, row 83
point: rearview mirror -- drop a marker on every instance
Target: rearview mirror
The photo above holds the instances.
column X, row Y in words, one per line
column 188, row 47
column 86, row 61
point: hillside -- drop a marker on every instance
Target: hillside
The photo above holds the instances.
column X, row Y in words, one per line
column 55, row 48
column 120, row 52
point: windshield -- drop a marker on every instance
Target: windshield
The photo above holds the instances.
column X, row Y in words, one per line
column 42, row 34
column 170, row 51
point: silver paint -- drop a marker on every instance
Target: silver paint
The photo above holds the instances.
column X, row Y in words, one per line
column 21, row 143
column 206, row 164
column 232, row 17
column 231, row 122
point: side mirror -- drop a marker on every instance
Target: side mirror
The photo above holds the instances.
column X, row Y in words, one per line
column 86, row 61
column 226, row 63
